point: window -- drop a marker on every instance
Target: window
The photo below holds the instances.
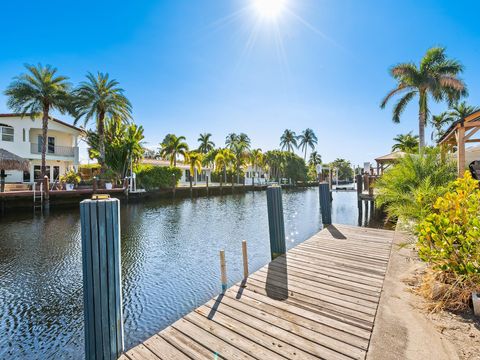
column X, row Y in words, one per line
column 6, row 132
column 37, row 172
column 56, row 173
column 24, row 135
column 26, row 176
column 50, row 144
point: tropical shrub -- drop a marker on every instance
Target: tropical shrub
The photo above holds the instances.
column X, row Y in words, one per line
column 152, row 177
column 70, row 177
column 449, row 240
column 409, row 189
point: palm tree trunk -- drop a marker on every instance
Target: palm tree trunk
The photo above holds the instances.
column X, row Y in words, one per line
column 101, row 136
column 191, row 183
column 422, row 118
column 46, row 109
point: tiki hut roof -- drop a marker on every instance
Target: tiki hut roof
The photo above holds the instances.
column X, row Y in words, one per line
column 390, row 158
column 9, row 161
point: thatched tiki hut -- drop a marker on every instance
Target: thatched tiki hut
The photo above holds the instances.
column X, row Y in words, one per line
column 9, row 161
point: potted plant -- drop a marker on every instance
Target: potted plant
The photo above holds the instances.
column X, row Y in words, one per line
column 70, row 179
column 108, row 176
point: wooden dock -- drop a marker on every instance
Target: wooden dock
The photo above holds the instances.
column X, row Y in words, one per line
column 317, row 302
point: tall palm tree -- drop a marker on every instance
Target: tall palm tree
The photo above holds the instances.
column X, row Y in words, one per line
column 406, row 142
column 194, row 160
column 224, row 159
column 288, row 140
column 241, row 149
column 38, row 91
column 230, row 140
column 205, row 143
column 256, row 160
column 307, row 139
column 436, row 77
column 315, row 159
column 97, row 98
column 438, row 122
column 172, row 146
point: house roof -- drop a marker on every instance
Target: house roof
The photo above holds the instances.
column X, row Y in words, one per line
column 392, row 157
column 51, row 118
column 10, row 161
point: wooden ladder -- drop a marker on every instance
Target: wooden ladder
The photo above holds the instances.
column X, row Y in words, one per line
column 38, row 197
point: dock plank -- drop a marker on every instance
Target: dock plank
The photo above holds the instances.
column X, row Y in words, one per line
column 318, row 301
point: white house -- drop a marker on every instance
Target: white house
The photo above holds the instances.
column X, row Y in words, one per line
column 255, row 175
column 201, row 177
column 23, row 137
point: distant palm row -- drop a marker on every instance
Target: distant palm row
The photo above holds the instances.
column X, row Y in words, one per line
column 436, row 78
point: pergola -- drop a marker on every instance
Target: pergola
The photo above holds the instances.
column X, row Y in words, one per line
column 460, row 133
column 386, row 160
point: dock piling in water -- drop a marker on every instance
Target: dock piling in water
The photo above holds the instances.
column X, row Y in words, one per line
column 275, row 221
column 325, row 203
column 100, row 226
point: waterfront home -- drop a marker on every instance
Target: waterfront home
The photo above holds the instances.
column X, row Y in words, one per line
column 23, row 137
column 199, row 178
column 255, row 175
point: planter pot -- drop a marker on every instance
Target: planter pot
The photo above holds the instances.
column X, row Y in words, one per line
column 108, row 186
column 476, row 303
column 69, row 187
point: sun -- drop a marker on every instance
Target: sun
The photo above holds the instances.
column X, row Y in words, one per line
column 269, row 9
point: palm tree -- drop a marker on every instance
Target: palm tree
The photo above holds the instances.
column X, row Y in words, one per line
column 406, row 142
column 194, row 160
column 288, row 140
column 224, row 159
column 205, row 143
column 172, row 146
column 435, row 77
column 315, row 159
column 38, row 91
column 256, row 159
column 307, row 139
column 230, row 140
column 97, row 98
column 461, row 110
column 438, row 122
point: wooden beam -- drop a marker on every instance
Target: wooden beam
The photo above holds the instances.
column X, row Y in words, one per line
column 472, row 140
column 473, row 116
column 461, row 151
column 472, row 124
column 472, row 131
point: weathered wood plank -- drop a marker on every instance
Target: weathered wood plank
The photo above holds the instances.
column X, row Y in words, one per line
column 329, row 287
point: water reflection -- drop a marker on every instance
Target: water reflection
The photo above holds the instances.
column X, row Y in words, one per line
column 169, row 264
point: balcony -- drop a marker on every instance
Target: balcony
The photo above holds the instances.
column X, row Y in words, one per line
column 53, row 150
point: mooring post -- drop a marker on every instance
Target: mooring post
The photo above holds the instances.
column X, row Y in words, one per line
column 223, row 271
column 102, row 286
column 245, row 259
column 325, row 203
column 94, row 184
column 206, row 178
column 275, row 221
column 174, row 185
column 46, row 193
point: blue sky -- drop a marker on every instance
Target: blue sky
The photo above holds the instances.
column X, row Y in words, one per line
column 191, row 66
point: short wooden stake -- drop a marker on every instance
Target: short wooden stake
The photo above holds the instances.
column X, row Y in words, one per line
column 245, row 259
column 100, row 225
column 223, row 271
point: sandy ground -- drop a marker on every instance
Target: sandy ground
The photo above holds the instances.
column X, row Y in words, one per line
column 405, row 330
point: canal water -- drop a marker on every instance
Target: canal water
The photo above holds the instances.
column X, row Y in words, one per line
column 170, row 263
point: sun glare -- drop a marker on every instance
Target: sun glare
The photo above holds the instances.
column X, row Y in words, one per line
column 269, row 9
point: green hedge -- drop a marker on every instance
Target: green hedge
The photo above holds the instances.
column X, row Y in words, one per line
column 152, row 177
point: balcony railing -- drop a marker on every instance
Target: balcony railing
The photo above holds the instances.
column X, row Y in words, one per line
column 53, row 150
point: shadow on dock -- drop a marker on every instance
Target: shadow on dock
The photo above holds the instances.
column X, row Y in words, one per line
column 276, row 285
column 337, row 234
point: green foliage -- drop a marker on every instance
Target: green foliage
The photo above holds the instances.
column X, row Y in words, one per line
column 172, row 146
column 305, row 140
column 152, row 177
column 123, row 145
column 70, row 177
column 284, row 164
column 288, row 140
column 449, row 238
column 409, row 189
column 344, row 169
column 406, row 143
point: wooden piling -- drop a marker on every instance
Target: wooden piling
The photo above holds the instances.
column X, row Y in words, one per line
column 245, row 259
column 275, row 221
column 223, row 271
column 100, row 228
column 325, row 203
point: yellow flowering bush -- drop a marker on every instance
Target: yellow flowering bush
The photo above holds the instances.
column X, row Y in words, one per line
column 449, row 238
